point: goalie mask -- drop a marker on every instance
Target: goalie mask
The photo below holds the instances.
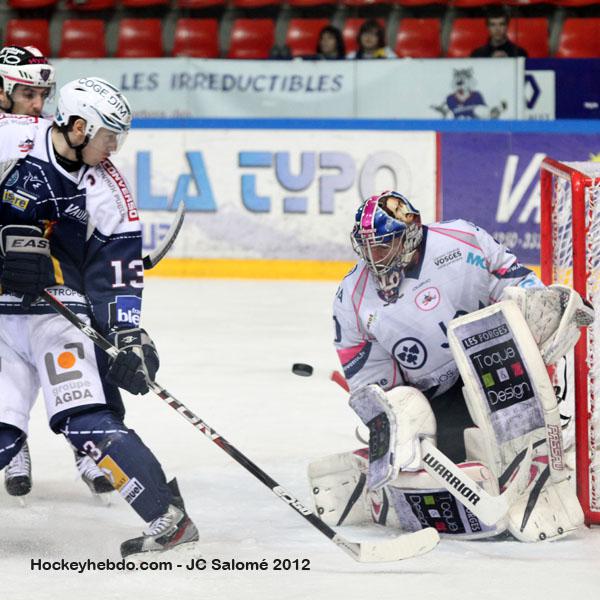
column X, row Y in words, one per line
column 387, row 232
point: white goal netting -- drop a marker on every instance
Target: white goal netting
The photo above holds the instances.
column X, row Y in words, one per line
column 573, row 196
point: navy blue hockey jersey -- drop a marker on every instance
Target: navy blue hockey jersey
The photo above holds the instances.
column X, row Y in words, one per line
column 90, row 218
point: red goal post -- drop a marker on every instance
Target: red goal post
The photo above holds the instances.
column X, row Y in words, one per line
column 570, row 254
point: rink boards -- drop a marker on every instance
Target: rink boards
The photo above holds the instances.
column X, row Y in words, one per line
column 276, row 199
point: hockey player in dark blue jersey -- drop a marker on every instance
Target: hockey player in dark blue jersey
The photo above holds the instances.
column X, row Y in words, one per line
column 69, row 224
column 27, row 81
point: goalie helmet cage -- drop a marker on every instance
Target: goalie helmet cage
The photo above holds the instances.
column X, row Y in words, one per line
column 570, row 255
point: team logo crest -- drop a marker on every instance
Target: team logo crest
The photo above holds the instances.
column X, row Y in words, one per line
column 428, row 299
column 410, row 353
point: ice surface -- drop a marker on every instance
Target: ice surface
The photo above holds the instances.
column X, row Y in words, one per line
column 227, row 348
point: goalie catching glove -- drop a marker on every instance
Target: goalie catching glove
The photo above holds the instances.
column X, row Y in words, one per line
column 554, row 316
column 136, row 363
column 28, row 268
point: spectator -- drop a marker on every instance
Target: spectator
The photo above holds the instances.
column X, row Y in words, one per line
column 331, row 44
column 498, row 46
column 371, row 42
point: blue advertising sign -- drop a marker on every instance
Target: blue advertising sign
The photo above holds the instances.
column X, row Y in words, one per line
column 493, row 179
column 577, row 94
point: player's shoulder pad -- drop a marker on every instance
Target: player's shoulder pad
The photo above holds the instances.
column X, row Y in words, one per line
column 17, row 134
column 455, row 224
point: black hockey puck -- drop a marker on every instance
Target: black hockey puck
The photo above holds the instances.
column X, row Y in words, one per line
column 302, row 369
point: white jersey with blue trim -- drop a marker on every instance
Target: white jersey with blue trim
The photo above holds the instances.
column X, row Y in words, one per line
column 460, row 268
column 89, row 217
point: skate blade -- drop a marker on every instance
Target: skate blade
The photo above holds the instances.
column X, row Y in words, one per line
column 102, row 499
column 182, row 552
column 22, row 503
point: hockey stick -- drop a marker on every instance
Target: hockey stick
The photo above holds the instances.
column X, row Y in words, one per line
column 152, row 259
column 403, row 546
column 490, row 509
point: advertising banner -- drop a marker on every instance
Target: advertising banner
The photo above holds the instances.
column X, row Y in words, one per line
column 440, row 89
column 385, row 89
column 576, row 84
column 492, row 179
column 271, row 194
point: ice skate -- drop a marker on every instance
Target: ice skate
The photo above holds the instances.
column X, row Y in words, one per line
column 17, row 475
column 92, row 475
column 171, row 529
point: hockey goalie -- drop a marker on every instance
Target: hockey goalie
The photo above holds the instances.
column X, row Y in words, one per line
column 445, row 339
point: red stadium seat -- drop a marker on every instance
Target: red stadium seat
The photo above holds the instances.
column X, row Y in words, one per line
column 28, row 32
column 301, row 3
column 529, row 2
column 466, row 35
column 362, row 3
column 82, row 38
column 419, row 38
column 143, row 3
column 139, row 38
column 531, row 34
column 580, row 38
column 191, row 4
column 85, row 5
column 198, row 38
column 251, row 38
column 303, row 35
column 470, row 3
column 255, row 3
column 575, row 2
column 419, row 2
column 29, row 4
column 350, row 32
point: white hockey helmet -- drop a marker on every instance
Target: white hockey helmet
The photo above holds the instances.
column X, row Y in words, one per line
column 98, row 102
column 25, row 66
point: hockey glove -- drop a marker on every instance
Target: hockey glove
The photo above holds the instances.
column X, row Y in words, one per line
column 136, row 363
column 28, row 267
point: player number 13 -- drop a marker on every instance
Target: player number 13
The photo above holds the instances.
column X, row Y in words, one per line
column 135, row 267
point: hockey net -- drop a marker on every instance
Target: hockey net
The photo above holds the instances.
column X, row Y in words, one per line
column 570, row 236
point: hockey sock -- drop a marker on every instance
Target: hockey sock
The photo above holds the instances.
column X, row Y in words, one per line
column 129, row 465
column 11, row 441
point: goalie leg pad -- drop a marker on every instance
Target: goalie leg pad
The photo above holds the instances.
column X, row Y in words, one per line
column 413, row 501
column 396, row 421
column 338, row 488
column 547, row 510
column 419, row 502
column 512, row 402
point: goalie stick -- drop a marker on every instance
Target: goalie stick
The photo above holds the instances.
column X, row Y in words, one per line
column 403, row 546
column 152, row 259
column 490, row 509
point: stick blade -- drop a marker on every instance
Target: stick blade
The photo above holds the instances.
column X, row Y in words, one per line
column 406, row 545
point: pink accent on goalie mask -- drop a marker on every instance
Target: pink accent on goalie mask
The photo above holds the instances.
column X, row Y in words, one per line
column 368, row 215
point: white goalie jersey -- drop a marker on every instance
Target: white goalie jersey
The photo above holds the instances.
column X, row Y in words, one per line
column 460, row 269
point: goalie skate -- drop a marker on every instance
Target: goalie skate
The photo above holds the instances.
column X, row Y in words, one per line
column 17, row 475
column 171, row 529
